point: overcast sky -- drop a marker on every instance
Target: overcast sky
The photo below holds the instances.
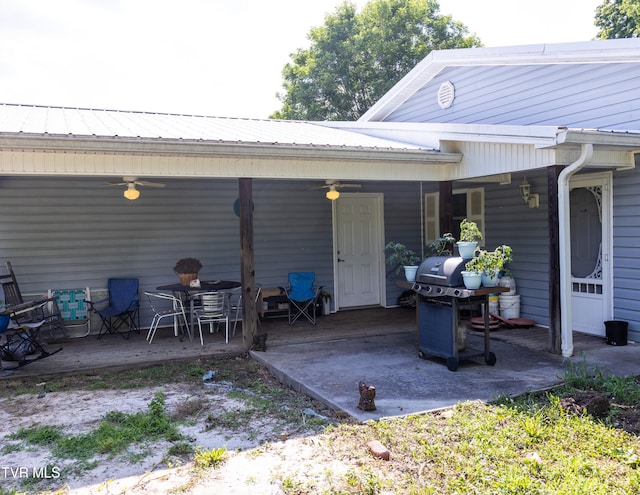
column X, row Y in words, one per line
column 209, row 57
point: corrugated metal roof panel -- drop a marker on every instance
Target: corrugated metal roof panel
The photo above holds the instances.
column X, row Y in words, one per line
column 79, row 122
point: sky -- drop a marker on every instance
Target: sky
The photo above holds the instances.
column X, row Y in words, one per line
column 210, row 57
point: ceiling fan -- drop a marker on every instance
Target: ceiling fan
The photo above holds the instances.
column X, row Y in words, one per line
column 333, row 186
column 131, row 192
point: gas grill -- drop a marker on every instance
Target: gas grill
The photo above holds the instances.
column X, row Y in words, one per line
column 441, row 293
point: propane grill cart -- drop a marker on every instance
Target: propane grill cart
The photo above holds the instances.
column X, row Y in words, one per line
column 438, row 320
column 441, row 293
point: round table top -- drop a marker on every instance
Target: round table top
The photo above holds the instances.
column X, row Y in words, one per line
column 204, row 286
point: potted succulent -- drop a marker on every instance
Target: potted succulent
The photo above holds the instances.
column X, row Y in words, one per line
column 403, row 258
column 489, row 264
column 469, row 236
column 187, row 269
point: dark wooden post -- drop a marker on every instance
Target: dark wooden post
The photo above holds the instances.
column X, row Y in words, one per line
column 249, row 313
column 555, row 324
column 446, row 207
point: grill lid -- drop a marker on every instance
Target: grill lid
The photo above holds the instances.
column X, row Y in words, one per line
column 441, row 270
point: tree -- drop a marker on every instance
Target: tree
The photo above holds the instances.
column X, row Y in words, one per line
column 355, row 58
column 618, row 19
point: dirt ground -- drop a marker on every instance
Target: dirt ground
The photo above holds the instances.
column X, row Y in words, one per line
column 258, row 452
column 262, row 452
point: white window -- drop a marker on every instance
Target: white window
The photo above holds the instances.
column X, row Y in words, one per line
column 467, row 203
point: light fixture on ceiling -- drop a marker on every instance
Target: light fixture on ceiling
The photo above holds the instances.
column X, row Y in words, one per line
column 131, row 192
column 530, row 199
column 332, row 193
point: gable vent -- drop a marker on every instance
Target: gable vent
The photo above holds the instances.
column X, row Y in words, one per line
column 446, row 94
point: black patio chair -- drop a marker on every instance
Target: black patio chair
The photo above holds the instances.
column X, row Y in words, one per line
column 122, row 311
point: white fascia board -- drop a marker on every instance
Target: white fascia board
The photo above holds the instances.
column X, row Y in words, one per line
column 203, row 148
column 603, row 139
column 431, row 135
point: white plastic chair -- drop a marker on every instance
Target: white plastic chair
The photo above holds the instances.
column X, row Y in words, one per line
column 235, row 306
column 213, row 308
column 175, row 311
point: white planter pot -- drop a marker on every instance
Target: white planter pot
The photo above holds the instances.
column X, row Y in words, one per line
column 466, row 249
column 326, row 306
column 410, row 273
column 489, row 279
column 472, row 280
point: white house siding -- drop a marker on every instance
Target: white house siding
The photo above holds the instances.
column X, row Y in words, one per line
column 542, row 94
column 626, row 238
column 497, row 158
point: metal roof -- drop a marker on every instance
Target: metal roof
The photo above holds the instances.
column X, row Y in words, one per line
column 48, row 121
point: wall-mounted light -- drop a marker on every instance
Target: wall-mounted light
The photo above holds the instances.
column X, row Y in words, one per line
column 131, row 192
column 332, row 193
column 532, row 200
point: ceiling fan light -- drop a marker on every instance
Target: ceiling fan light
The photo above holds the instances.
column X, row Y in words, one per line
column 332, row 194
column 131, row 193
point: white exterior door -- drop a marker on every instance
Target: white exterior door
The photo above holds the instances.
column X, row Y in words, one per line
column 358, row 249
column 591, row 240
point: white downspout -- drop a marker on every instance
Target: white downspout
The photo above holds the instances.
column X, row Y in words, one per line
column 564, row 213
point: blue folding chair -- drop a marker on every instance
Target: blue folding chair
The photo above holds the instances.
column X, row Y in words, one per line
column 303, row 296
column 121, row 313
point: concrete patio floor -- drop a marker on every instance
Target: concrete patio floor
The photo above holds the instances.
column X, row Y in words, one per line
column 378, row 346
column 330, row 370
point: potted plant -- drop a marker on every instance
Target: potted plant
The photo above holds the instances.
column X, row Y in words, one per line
column 403, row 258
column 441, row 246
column 472, row 274
column 187, row 269
column 469, row 236
column 489, row 264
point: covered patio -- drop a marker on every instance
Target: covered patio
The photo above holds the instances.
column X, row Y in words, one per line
column 376, row 345
column 112, row 352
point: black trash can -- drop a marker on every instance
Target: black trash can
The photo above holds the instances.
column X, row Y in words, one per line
column 616, row 332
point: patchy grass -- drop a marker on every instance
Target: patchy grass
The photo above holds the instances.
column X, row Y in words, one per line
column 517, row 445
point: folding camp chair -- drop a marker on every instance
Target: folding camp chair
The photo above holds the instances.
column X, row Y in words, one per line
column 121, row 314
column 303, row 296
column 73, row 305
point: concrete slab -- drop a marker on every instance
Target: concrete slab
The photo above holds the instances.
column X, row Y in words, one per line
column 331, row 370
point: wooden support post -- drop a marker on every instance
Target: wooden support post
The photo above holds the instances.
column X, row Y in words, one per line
column 555, row 324
column 249, row 312
column 446, row 207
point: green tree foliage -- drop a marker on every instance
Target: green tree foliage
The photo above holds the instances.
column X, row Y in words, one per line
column 618, row 19
column 355, row 58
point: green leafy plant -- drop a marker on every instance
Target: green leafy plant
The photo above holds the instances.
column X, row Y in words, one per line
column 469, row 231
column 210, row 458
column 400, row 256
column 490, row 263
column 441, row 246
column 187, row 265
